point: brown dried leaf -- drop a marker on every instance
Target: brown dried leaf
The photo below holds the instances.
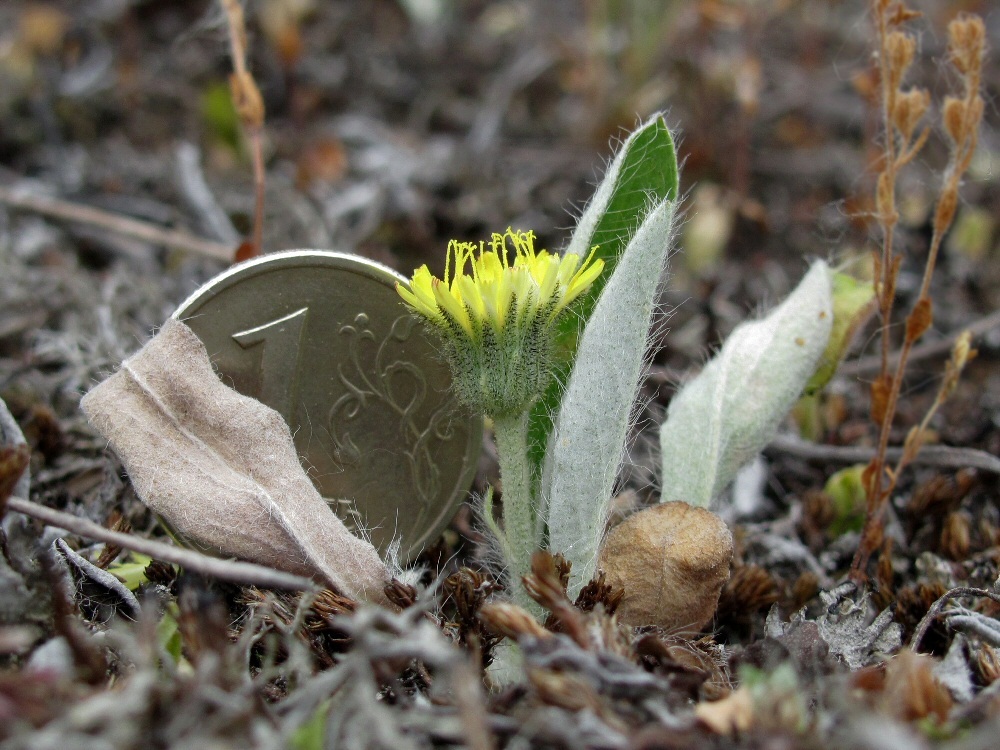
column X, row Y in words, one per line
column 546, row 584
column 987, row 663
column 468, row 590
column 599, row 591
column 734, row 713
column 13, row 461
column 323, row 161
column 402, row 595
column 110, row 553
column 956, row 536
column 221, row 468
column 911, row 689
column 511, row 621
column 750, row 588
column 565, row 690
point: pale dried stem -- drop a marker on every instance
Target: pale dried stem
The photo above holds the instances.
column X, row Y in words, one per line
column 257, row 151
column 227, row 570
column 937, row 606
column 961, row 157
column 958, row 163
column 123, row 225
column 941, row 456
column 237, row 35
column 923, row 351
column 251, row 117
column 887, row 220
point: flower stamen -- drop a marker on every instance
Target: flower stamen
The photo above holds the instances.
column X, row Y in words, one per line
column 495, row 314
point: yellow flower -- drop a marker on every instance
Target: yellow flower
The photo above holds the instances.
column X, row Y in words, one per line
column 537, row 283
column 495, row 315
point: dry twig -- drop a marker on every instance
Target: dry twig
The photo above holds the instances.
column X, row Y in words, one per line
column 937, row 606
column 924, row 351
column 124, row 225
column 945, row 456
column 250, row 107
column 227, row 570
column 902, row 112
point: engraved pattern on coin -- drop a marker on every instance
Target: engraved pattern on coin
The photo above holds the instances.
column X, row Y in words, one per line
column 323, row 338
column 400, row 386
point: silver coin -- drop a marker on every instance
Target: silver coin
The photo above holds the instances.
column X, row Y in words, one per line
column 323, row 338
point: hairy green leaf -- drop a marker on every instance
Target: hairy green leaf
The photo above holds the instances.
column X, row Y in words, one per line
column 642, row 174
column 591, row 429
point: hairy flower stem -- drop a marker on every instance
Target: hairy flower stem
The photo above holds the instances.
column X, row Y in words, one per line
column 519, row 541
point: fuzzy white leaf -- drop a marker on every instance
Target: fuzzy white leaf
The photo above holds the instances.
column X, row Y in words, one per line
column 725, row 416
column 586, row 448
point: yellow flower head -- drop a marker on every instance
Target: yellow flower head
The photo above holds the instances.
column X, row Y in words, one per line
column 495, row 314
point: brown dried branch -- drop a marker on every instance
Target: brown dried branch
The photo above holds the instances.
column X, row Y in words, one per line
column 901, row 113
column 937, row 606
column 923, row 351
column 226, row 570
column 123, row 225
column 944, row 456
column 249, row 106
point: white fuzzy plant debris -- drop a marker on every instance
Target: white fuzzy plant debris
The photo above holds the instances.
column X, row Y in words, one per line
column 726, row 415
column 221, row 468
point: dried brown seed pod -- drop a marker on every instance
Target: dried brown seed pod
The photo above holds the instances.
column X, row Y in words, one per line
column 671, row 560
column 966, row 42
column 956, row 536
column 987, row 662
column 511, row 621
column 910, row 107
column 901, row 48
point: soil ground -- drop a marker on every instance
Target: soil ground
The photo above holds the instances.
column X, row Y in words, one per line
column 392, row 127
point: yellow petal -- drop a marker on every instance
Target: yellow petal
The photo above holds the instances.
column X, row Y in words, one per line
column 583, row 280
column 408, row 297
column 507, row 295
column 422, row 285
column 488, row 266
column 567, row 268
column 419, row 295
column 472, row 296
column 451, row 306
column 524, row 294
column 547, row 284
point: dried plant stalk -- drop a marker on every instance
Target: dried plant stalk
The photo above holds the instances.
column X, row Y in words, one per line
column 249, row 106
column 902, row 111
